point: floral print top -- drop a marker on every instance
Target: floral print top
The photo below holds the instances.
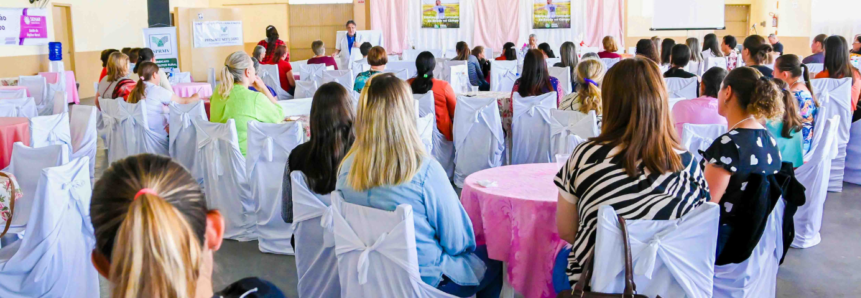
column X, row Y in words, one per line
column 7, row 184
column 808, row 111
column 363, row 78
column 732, row 60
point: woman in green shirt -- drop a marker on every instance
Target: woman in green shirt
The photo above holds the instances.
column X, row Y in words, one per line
column 787, row 131
column 377, row 58
column 234, row 101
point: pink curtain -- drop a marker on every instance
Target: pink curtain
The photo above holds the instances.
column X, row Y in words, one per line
column 496, row 22
column 390, row 17
column 604, row 18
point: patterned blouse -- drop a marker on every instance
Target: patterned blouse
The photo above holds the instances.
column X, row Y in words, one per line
column 808, row 111
column 732, row 60
column 363, row 78
column 7, row 185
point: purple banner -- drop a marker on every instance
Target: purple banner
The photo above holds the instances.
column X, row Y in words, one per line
column 34, row 27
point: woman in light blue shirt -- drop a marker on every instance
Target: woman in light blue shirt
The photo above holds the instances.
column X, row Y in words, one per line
column 387, row 166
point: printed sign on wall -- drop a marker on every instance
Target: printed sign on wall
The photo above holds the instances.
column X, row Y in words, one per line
column 217, row 34
column 441, row 14
column 162, row 42
column 23, row 26
column 551, row 14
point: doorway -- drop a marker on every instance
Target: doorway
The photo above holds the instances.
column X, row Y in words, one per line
column 736, row 20
column 63, row 33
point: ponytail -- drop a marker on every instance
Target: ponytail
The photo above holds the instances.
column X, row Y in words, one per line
column 792, row 121
column 148, row 70
column 425, row 64
column 589, row 73
column 233, row 72
column 758, row 48
column 806, row 75
column 756, row 94
column 144, row 55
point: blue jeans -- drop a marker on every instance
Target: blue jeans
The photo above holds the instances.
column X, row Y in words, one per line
column 560, row 277
column 489, row 287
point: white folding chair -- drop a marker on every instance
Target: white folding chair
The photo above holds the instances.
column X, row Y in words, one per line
column 13, row 94
column 305, row 89
column 447, row 70
column 220, row 168
column 696, row 137
column 671, row 258
column 83, row 129
column 51, row 102
column 407, row 68
column 343, row 77
column 682, row 88
column 296, row 107
column 563, row 74
column 21, row 107
column 530, row 128
column 834, row 96
column 376, row 252
column 269, row 147
column 270, row 76
column 756, row 276
column 458, row 78
column 26, row 164
column 570, row 128
column 609, row 62
column 852, row 173
column 715, row 62
column 111, row 130
column 61, row 104
column 478, row 138
column 37, row 86
column 54, row 258
column 137, row 136
column 814, row 175
column 182, row 139
column 50, row 130
column 815, row 68
column 503, row 74
column 316, row 265
column 312, row 72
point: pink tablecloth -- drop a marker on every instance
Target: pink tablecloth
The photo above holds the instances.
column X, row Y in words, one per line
column 15, row 88
column 71, row 84
column 189, row 89
column 517, row 222
column 12, row 129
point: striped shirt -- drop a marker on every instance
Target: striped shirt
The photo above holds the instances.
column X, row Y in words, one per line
column 594, row 176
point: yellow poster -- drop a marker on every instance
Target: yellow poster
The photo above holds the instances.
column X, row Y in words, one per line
column 440, row 14
column 551, row 14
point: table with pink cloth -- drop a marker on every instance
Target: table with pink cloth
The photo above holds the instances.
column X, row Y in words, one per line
column 189, row 89
column 71, row 84
column 12, row 129
column 15, row 88
column 516, row 219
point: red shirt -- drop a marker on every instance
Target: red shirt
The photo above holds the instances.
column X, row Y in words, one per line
column 444, row 102
column 268, row 57
column 103, row 74
column 501, row 58
column 609, row 55
column 329, row 61
column 283, row 68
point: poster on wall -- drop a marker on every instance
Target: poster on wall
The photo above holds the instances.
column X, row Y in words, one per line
column 551, row 14
column 23, row 26
column 217, row 34
column 162, row 42
column 440, row 14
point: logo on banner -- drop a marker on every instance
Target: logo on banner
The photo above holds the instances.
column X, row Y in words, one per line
column 160, row 44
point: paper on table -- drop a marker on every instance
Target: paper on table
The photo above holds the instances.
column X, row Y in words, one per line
column 487, row 183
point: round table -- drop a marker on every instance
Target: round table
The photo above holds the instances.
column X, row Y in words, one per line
column 520, row 217
column 12, row 129
column 189, row 89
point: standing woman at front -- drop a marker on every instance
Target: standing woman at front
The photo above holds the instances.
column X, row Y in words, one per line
column 755, row 54
column 535, row 79
column 270, row 43
column 233, row 100
column 387, row 166
column 347, row 44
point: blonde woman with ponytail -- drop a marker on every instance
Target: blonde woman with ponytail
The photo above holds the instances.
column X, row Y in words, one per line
column 156, row 98
column 387, row 166
column 155, row 236
column 233, row 99
column 587, row 97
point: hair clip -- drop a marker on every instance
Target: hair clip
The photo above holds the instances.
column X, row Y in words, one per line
column 590, row 81
column 425, row 76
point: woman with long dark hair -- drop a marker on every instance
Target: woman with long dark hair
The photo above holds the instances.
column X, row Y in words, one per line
column 694, row 44
column 285, row 71
column 505, row 47
column 789, row 69
column 711, row 46
column 271, row 43
column 444, row 97
column 837, row 66
column 331, row 137
column 755, row 54
column 667, row 51
column 856, row 47
column 146, row 55
column 510, row 54
column 647, row 49
column 545, row 47
column 568, row 55
column 535, row 79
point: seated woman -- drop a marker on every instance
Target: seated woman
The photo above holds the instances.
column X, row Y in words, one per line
column 377, row 59
column 505, row 47
column 652, row 175
column 155, row 236
column 590, row 73
column 257, row 70
column 535, row 79
column 156, row 97
column 484, row 64
column 704, row 109
column 476, row 76
column 258, row 53
column 786, row 131
column 647, row 49
column 727, row 48
column 106, row 54
column 837, row 66
column 610, row 48
column 320, row 57
column 755, row 54
column 545, row 48
column 387, row 166
column 116, row 84
column 510, row 54
column 568, row 57
column 445, row 99
column 331, row 137
column 711, row 47
column 233, row 100
column 788, row 68
column 667, row 51
column 285, row 71
column 147, row 55
column 680, row 56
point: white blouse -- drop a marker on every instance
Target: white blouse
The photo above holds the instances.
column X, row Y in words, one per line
column 157, row 99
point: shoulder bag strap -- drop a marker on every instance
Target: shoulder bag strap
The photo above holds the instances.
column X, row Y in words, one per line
column 12, row 194
column 586, row 276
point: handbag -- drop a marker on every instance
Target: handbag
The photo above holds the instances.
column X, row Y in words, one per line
column 586, row 277
column 14, row 193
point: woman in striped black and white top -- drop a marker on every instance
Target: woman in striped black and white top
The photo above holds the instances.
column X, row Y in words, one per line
column 636, row 165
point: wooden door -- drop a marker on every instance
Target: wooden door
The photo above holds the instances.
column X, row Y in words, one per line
column 63, row 34
column 737, row 21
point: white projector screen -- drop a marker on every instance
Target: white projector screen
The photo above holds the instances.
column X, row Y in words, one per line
column 688, row 15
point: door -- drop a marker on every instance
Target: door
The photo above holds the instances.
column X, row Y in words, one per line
column 736, row 20
column 63, row 34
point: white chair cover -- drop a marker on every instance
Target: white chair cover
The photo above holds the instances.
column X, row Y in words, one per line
column 50, row 130
column 458, row 77
column 449, row 54
column 51, row 101
column 425, row 126
column 27, row 164
column 21, row 107
column 570, row 128
column 447, row 71
column 296, row 107
column 376, row 252
column 270, row 76
column 305, row 89
column 563, row 74
column 695, row 68
column 394, row 58
column 671, row 258
column 38, row 87
column 61, row 104
column 137, row 136
column 696, row 137
column 814, row 176
column 478, row 138
column 220, row 168
column 609, row 62
column 756, row 276
column 442, row 148
column 53, row 260
column 400, row 66
column 359, row 66
column 834, row 96
column 343, row 77
column 403, row 73
column 269, row 147
column 83, row 130
column 682, row 88
column 316, row 265
column 715, row 62
column 552, row 61
column 853, row 155
column 311, row 72
column 815, row 68
column 13, row 94
column 111, row 130
column 503, row 74
column 182, row 141
column 438, row 71
column 411, row 54
column 531, row 128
